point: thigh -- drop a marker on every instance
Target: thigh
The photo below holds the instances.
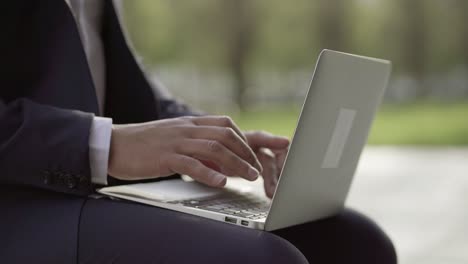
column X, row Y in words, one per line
column 349, row 237
column 38, row 226
column 122, row 232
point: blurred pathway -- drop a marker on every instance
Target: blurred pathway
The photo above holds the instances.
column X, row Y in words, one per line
column 420, row 198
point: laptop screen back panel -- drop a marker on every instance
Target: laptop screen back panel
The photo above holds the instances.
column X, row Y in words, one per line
column 333, row 127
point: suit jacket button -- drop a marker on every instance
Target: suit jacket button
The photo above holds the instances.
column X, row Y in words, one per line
column 70, row 182
column 83, row 180
column 47, row 177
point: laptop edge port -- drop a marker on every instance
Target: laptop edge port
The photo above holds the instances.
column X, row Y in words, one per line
column 244, row 222
column 231, row 220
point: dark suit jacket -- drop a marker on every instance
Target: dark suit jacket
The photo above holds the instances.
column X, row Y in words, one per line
column 47, row 96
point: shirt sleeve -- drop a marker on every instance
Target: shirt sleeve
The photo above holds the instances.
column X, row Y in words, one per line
column 99, row 145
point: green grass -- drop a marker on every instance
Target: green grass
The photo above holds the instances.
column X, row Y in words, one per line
column 423, row 123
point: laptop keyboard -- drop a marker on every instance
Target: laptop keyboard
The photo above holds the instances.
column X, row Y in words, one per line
column 240, row 205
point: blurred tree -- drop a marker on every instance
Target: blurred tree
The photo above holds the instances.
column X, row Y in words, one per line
column 240, row 26
column 257, row 41
column 463, row 11
column 413, row 53
column 331, row 17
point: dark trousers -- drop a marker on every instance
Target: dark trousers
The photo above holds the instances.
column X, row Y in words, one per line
column 42, row 227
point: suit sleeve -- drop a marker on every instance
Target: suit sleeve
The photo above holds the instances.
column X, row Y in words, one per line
column 45, row 147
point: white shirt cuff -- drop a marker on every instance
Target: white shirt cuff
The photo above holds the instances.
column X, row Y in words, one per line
column 99, row 145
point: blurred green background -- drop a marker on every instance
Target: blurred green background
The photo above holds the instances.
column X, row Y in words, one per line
column 253, row 59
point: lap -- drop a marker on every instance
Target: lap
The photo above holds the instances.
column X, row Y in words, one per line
column 47, row 227
column 126, row 232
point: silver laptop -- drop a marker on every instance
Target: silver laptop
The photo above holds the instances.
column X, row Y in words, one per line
column 331, row 132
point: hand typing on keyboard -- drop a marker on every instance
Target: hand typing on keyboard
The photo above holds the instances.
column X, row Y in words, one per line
column 207, row 148
column 180, row 145
column 271, row 152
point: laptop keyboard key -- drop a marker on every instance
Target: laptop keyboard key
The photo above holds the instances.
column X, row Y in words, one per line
column 240, row 205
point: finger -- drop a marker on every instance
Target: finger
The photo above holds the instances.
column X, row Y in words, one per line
column 221, row 121
column 216, row 152
column 194, row 168
column 211, row 165
column 269, row 171
column 280, row 157
column 229, row 138
column 261, row 139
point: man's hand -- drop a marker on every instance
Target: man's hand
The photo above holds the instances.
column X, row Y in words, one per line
column 207, row 148
column 271, row 152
